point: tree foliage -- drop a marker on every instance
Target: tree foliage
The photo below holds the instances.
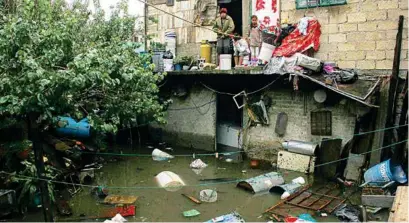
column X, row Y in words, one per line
column 62, row 60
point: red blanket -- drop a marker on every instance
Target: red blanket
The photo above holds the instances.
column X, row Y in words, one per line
column 295, row 42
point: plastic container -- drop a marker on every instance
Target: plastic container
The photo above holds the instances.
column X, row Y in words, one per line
column 178, row 67
column 266, row 52
column 299, row 180
column 385, row 172
column 206, row 51
column 208, row 196
column 168, row 64
column 159, row 155
column 246, row 61
column 169, row 181
column 157, row 59
column 225, row 61
column 69, row 127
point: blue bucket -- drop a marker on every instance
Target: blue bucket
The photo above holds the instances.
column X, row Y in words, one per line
column 385, row 172
column 178, row 67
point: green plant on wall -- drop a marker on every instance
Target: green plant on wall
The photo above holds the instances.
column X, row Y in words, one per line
column 184, row 60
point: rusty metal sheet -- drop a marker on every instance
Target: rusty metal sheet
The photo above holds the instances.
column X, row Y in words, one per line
column 306, row 201
column 296, row 162
column 119, row 199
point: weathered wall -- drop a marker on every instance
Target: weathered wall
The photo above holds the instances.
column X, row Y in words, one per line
column 187, row 125
column 188, row 36
column 263, row 142
column 360, row 34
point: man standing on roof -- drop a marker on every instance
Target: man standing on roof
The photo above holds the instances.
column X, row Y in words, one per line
column 224, row 27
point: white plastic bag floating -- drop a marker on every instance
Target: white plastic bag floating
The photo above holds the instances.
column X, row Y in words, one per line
column 117, row 219
column 198, row 164
column 159, row 155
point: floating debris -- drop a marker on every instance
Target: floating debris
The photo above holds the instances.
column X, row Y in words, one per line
column 262, row 183
column 191, row 213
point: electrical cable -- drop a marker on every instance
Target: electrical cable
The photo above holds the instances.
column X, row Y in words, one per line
column 250, row 93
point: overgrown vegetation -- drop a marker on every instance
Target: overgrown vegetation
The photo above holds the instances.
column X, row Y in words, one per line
column 63, row 60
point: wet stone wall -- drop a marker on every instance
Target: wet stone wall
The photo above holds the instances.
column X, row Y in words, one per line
column 263, row 143
column 191, row 121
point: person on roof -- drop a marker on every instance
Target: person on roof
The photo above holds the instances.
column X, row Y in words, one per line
column 224, row 27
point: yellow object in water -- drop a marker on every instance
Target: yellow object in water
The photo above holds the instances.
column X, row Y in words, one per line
column 206, row 51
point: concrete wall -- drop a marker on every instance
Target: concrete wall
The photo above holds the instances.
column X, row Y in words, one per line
column 188, row 36
column 192, row 127
column 360, row 34
column 263, row 142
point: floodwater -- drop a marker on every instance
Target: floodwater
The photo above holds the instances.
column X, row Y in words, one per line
column 135, row 176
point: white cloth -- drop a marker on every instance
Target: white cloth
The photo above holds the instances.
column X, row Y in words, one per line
column 241, row 47
column 303, row 25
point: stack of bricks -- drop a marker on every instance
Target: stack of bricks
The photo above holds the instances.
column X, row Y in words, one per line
column 361, row 34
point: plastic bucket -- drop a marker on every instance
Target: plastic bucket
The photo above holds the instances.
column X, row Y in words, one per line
column 266, row 52
column 178, row 67
column 385, row 172
column 170, row 181
column 168, row 64
column 208, row 196
column 246, row 60
column 225, row 61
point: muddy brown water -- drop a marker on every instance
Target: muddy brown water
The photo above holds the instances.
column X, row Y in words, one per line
column 135, row 176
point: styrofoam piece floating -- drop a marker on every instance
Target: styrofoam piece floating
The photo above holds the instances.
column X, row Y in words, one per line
column 296, row 162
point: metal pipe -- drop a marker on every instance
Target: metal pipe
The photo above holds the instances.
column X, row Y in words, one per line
column 305, row 148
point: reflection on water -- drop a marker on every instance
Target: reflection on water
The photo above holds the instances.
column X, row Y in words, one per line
column 157, row 204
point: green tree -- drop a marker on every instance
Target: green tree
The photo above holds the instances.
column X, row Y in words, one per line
column 62, row 60
column 58, row 60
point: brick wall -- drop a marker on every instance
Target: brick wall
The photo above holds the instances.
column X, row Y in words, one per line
column 190, row 127
column 263, row 142
column 360, row 34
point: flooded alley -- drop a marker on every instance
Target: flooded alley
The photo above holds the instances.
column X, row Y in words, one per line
column 135, row 176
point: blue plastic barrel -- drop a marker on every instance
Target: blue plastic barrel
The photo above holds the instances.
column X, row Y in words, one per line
column 385, row 172
column 178, row 67
column 69, row 127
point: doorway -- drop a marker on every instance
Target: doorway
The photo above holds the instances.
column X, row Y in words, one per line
column 234, row 10
column 229, row 122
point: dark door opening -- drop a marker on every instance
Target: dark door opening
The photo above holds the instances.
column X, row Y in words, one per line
column 234, row 10
column 227, row 111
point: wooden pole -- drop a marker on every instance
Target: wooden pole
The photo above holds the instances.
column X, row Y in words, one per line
column 394, row 86
column 146, row 26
